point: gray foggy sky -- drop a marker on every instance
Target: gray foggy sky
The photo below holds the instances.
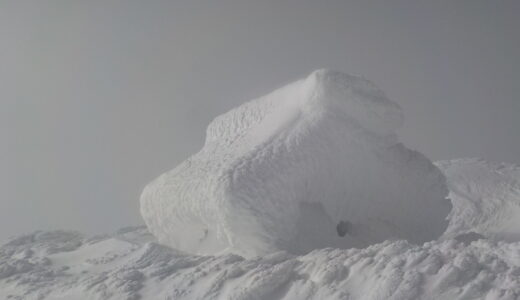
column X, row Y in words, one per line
column 99, row 97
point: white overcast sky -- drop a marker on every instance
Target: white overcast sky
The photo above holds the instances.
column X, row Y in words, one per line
column 99, row 97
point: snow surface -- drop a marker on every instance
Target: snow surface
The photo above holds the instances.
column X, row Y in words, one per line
column 65, row 265
column 486, row 198
column 130, row 264
column 314, row 164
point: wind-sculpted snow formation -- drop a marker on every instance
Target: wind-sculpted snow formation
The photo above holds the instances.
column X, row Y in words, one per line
column 129, row 265
column 486, row 199
column 314, row 164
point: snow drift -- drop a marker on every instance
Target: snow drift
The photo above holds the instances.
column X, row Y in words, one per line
column 314, row 164
column 486, row 199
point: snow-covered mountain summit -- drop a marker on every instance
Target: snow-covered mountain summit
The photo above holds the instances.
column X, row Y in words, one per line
column 314, row 164
column 287, row 181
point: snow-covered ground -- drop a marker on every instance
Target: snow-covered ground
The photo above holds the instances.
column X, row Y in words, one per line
column 131, row 265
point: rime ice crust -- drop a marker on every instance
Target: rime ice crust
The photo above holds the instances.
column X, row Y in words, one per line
column 282, row 171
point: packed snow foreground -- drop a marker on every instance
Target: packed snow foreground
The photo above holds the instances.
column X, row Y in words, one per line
column 281, row 185
column 130, row 265
column 314, row 164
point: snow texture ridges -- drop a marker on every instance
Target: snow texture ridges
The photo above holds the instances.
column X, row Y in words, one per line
column 282, row 171
column 130, row 266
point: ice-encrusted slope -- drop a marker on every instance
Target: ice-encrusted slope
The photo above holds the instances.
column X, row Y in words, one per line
column 486, row 198
column 314, row 164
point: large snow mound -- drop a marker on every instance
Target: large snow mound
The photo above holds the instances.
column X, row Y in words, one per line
column 129, row 265
column 486, row 199
column 314, row 164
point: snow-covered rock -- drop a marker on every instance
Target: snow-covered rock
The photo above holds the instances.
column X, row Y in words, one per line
column 314, row 164
column 130, row 265
column 486, row 199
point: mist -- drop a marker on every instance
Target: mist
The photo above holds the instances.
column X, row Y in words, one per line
column 98, row 98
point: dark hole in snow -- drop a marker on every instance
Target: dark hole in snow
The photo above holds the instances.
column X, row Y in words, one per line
column 342, row 228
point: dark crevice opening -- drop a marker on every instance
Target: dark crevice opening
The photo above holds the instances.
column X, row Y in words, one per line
column 342, row 228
